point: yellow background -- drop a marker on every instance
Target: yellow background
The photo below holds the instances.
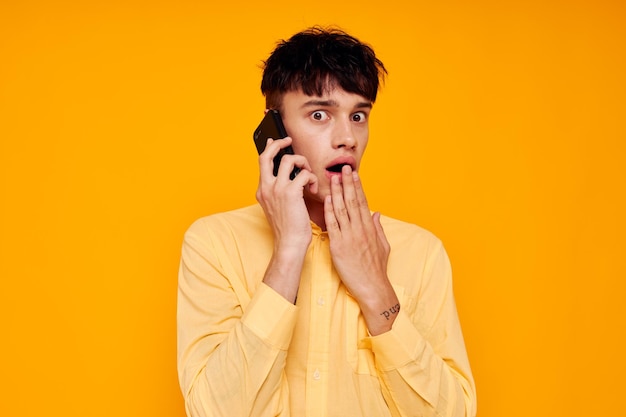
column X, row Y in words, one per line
column 500, row 128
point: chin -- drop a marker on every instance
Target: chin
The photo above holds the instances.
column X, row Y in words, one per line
column 316, row 198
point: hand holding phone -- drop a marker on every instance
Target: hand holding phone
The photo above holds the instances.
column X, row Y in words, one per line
column 272, row 127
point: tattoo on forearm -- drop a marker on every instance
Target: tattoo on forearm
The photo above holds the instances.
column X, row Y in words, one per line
column 393, row 310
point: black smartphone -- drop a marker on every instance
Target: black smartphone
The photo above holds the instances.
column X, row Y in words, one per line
column 272, row 127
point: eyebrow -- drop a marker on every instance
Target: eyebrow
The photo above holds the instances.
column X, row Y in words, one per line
column 334, row 103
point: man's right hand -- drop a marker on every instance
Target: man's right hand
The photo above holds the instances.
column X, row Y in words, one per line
column 282, row 201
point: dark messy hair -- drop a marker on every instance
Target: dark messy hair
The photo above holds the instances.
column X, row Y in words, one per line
column 315, row 61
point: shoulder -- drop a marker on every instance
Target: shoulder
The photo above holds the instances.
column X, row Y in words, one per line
column 401, row 233
column 239, row 223
column 418, row 266
column 238, row 218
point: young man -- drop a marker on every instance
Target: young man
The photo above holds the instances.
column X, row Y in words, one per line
column 307, row 304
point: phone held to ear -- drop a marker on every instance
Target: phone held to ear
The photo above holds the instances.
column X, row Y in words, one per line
column 272, row 127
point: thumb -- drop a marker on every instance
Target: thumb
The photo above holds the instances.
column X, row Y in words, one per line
column 379, row 229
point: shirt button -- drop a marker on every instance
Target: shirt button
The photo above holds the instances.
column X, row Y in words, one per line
column 321, row 301
column 316, row 375
column 323, row 237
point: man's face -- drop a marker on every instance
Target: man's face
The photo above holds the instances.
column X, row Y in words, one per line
column 330, row 131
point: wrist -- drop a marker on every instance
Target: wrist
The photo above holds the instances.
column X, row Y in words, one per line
column 293, row 250
column 283, row 271
column 380, row 309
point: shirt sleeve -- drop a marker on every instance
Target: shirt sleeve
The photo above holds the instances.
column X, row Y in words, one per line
column 427, row 369
column 231, row 357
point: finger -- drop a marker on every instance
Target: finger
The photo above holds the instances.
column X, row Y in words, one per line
column 339, row 207
column 265, row 165
column 332, row 227
column 350, row 195
column 266, row 158
column 363, row 207
column 360, row 196
column 313, row 183
column 379, row 231
column 306, row 178
column 289, row 162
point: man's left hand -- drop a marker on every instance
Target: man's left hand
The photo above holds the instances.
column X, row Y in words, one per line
column 360, row 251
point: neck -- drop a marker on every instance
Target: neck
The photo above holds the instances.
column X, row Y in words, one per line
column 316, row 212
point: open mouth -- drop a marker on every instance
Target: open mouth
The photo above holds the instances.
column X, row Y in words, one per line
column 336, row 165
column 336, row 168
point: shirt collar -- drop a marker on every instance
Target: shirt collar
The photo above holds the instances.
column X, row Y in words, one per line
column 317, row 231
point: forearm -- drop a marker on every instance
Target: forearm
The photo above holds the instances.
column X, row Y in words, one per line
column 447, row 394
column 235, row 369
column 416, row 377
column 243, row 376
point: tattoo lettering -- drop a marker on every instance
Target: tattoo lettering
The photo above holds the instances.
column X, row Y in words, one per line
column 393, row 310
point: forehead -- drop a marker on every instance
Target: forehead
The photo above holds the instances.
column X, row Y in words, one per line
column 335, row 97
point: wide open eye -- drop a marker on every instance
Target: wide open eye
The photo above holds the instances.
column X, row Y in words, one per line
column 319, row 115
column 359, row 117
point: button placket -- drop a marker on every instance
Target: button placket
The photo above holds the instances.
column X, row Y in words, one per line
column 322, row 287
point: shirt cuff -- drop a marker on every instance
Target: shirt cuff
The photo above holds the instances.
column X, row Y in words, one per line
column 399, row 346
column 271, row 317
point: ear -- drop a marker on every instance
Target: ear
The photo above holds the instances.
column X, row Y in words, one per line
column 266, row 110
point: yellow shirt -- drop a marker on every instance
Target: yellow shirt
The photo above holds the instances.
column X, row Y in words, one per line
column 243, row 350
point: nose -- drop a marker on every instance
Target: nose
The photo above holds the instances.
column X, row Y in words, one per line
column 343, row 136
